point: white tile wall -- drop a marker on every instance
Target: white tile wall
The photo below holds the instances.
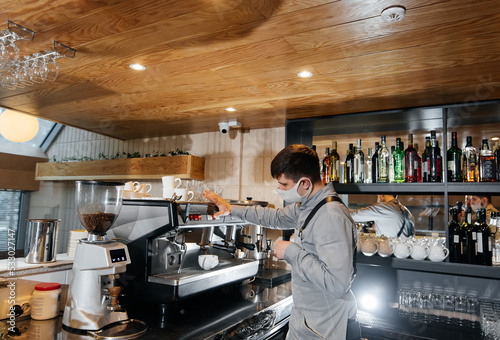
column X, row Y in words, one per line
column 238, row 161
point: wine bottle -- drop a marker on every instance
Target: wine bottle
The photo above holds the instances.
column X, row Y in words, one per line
column 375, row 163
column 454, row 160
column 455, row 245
column 325, row 167
column 383, row 162
column 469, row 234
column 334, row 164
column 359, row 164
column 497, row 160
column 399, row 162
column 369, row 166
column 419, row 165
column 487, row 171
column 434, row 161
column 469, row 164
column 425, row 157
column 411, row 163
column 484, row 251
column 349, row 166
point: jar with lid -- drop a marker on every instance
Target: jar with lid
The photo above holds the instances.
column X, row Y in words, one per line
column 45, row 301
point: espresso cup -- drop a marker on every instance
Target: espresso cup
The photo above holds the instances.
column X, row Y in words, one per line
column 185, row 195
column 208, row 262
column 131, row 186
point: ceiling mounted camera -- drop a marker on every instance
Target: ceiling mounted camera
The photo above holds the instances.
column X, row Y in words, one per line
column 224, row 127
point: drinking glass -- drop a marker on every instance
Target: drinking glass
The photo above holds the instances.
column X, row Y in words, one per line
column 51, row 66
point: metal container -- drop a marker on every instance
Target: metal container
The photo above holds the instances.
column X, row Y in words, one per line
column 41, row 240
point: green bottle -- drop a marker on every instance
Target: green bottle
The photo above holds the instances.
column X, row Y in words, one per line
column 399, row 162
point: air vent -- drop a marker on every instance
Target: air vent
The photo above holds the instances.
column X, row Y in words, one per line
column 393, row 14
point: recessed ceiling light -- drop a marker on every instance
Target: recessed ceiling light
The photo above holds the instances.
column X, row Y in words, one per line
column 230, row 109
column 137, row 67
column 393, row 14
column 305, row 74
column 495, row 138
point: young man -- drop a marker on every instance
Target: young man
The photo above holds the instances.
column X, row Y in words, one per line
column 322, row 254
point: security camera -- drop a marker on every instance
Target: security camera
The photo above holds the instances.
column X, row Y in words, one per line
column 223, row 127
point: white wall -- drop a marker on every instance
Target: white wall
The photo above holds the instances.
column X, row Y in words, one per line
column 239, row 162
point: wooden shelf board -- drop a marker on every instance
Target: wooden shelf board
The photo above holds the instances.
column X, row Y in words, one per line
column 185, row 166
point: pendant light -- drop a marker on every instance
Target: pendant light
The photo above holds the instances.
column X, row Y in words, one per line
column 18, row 127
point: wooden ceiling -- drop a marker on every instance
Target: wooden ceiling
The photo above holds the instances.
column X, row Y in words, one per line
column 205, row 55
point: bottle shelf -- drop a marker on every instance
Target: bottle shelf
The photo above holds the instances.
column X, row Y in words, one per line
column 418, row 188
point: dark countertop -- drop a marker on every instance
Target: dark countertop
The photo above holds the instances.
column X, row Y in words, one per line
column 198, row 318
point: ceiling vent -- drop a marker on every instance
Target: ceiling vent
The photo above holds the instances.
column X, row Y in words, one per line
column 393, row 14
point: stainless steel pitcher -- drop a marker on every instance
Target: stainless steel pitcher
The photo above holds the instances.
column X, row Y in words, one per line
column 41, row 240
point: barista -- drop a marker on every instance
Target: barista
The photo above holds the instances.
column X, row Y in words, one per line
column 390, row 217
column 476, row 202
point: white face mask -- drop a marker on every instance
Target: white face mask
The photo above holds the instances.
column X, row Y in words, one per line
column 292, row 195
column 476, row 206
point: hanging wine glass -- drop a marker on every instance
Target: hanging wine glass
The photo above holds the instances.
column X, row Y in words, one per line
column 51, row 65
column 10, row 52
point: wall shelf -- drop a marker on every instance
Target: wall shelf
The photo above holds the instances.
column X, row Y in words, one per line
column 417, row 188
column 184, row 166
column 457, row 269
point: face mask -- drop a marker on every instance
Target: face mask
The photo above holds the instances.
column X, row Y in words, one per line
column 476, row 206
column 292, row 195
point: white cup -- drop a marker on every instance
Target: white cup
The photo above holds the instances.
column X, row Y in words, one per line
column 144, row 188
column 208, row 262
column 131, row 186
column 170, row 183
column 184, row 194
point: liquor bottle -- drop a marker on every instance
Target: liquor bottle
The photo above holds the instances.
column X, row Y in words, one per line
column 349, row 166
column 497, row 161
column 359, row 164
column 434, row 160
column 454, row 160
column 375, row 163
column 487, row 171
column 456, row 252
column 425, row 156
column 399, row 162
column 411, row 162
column 494, row 226
column 469, row 237
column 419, row 165
column 325, row 167
column 334, row 164
column 369, row 166
column 383, row 162
column 469, row 164
column 391, row 164
column 484, row 251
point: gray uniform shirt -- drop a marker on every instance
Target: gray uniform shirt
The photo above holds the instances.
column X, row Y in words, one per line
column 322, row 264
column 388, row 217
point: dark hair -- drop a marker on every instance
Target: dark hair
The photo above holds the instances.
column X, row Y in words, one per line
column 296, row 161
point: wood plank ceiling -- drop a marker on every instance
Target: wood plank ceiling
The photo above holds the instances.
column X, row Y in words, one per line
column 205, row 55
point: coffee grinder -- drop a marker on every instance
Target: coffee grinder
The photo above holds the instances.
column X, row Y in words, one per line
column 92, row 300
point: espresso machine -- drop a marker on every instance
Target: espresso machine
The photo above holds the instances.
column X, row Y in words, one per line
column 165, row 238
column 92, row 301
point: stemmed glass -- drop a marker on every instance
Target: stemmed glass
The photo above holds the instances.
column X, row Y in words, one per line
column 8, row 50
column 35, row 68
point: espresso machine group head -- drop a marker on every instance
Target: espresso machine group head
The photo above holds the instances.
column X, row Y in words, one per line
column 92, row 300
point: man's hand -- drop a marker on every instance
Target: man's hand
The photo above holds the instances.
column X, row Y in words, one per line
column 224, row 207
column 280, row 249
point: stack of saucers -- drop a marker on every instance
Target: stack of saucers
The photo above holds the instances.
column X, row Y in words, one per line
column 74, row 237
